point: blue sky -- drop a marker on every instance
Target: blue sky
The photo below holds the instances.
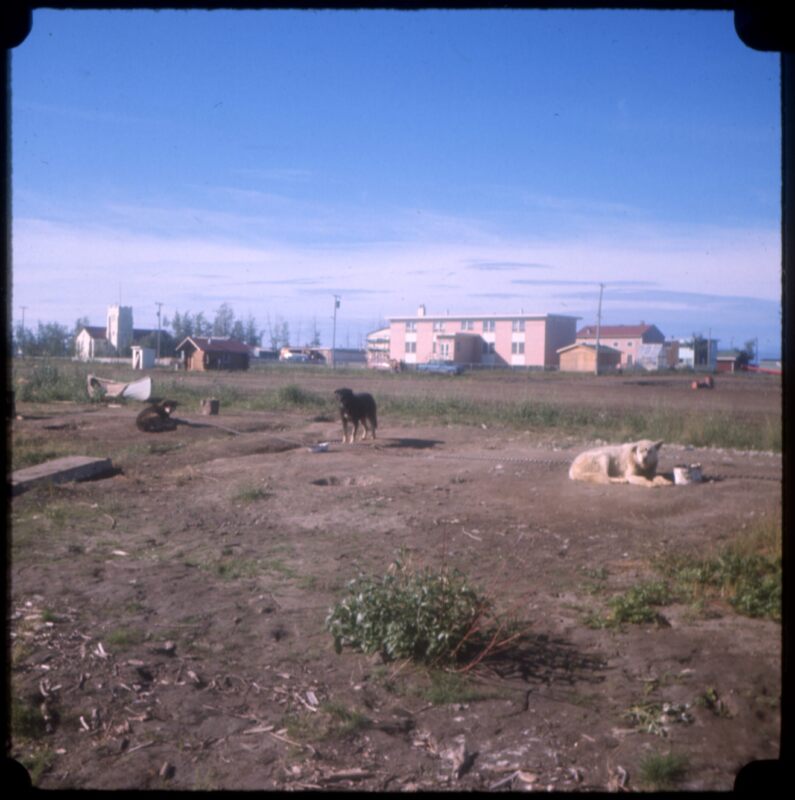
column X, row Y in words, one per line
column 473, row 161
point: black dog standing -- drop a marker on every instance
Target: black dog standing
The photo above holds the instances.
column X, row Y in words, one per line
column 355, row 409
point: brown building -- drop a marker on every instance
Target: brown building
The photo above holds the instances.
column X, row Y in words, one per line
column 732, row 361
column 580, row 357
column 199, row 353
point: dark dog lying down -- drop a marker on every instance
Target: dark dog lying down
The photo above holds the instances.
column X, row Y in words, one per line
column 156, row 417
column 355, row 409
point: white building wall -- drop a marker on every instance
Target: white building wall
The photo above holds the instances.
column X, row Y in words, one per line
column 651, row 356
column 120, row 327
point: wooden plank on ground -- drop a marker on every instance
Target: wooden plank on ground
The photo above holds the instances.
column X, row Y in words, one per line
column 60, row 470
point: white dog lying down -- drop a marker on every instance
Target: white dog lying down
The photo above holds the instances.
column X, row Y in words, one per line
column 635, row 463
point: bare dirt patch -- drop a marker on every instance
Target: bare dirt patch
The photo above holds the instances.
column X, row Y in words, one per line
column 169, row 621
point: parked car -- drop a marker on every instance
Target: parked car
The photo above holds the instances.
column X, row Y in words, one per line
column 295, row 358
column 441, row 367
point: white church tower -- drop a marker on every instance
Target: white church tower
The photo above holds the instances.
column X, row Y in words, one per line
column 120, row 327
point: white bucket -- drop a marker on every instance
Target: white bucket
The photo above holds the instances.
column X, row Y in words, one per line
column 684, row 474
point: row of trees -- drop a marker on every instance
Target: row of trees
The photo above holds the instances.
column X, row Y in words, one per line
column 49, row 339
column 54, row 339
column 225, row 324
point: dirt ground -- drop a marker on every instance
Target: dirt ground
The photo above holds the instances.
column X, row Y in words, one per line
column 168, row 620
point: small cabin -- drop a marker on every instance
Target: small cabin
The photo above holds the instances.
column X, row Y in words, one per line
column 213, row 353
column 581, row 357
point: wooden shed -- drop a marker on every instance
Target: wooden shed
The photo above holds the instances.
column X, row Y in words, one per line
column 199, row 353
column 581, row 357
column 732, row 360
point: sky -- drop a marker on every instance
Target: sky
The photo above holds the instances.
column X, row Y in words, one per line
column 476, row 162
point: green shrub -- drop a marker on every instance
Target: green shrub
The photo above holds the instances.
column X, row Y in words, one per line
column 660, row 772
column 420, row 615
column 636, row 605
column 747, row 572
column 46, row 383
column 293, row 395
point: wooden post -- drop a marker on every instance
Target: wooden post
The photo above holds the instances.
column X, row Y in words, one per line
column 210, row 406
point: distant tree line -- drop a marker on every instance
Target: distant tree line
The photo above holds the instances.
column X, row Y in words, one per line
column 54, row 339
column 49, row 339
column 226, row 325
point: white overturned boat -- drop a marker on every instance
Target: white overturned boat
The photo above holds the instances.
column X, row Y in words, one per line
column 135, row 390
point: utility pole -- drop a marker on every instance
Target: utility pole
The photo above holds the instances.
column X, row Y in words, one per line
column 709, row 349
column 159, row 306
column 22, row 341
column 334, row 332
column 598, row 327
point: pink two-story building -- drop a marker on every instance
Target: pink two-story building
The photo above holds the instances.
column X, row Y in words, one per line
column 514, row 340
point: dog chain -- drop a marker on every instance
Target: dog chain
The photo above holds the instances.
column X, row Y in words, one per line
column 552, row 462
column 509, row 460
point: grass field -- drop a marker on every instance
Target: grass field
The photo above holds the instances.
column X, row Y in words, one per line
column 578, row 405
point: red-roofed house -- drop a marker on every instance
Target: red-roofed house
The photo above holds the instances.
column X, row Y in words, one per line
column 634, row 341
column 199, row 353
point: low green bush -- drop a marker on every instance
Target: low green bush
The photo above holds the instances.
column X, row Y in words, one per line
column 420, row 615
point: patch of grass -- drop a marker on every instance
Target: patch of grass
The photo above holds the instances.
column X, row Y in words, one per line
column 51, row 381
column 250, row 494
column 231, row 568
column 206, row 779
column 746, row 572
column 598, row 579
column 637, row 605
column 278, row 567
column 331, row 720
column 37, row 761
column 710, row 700
column 446, row 688
column 123, row 638
column 660, row 772
column 27, row 721
column 300, row 727
column 308, row 582
column 161, row 448
column 696, row 428
column 344, row 721
column 30, row 453
column 655, row 718
column 293, row 396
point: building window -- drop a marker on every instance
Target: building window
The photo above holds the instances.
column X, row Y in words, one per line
column 411, row 326
column 517, row 348
column 411, row 347
column 488, row 325
column 438, row 325
column 518, row 325
column 467, row 325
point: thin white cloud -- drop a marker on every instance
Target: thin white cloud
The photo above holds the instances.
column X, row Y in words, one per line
column 194, row 259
